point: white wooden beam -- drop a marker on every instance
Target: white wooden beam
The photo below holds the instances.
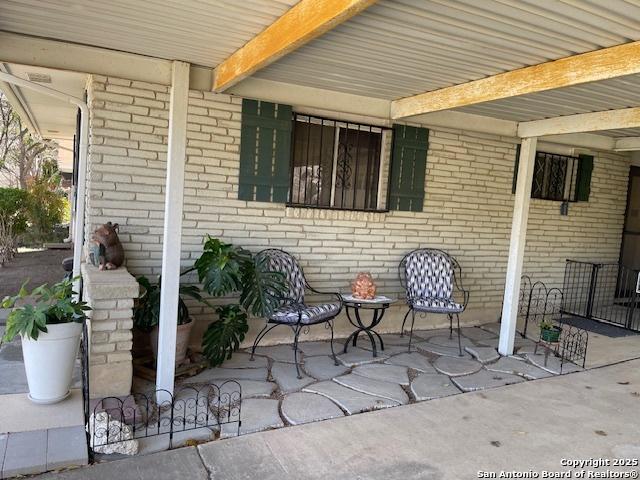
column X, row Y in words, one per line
column 593, row 66
column 172, row 239
column 627, row 144
column 583, row 122
column 303, row 22
column 581, row 140
column 516, row 246
column 42, row 52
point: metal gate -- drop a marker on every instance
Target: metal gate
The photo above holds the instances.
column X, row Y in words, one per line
column 606, row 292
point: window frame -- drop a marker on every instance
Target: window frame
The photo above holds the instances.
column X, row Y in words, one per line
column 339, row 124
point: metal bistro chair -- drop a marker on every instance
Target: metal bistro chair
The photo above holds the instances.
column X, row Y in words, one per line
column 294, row 312
column 431, row 278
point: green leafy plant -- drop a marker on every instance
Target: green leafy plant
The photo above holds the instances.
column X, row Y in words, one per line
column 223, row 270
column 223, row 337
column 45, row 305
column 547, row 325
column 146, row 312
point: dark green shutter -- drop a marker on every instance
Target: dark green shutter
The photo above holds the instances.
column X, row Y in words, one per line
column 583, row 177
column 515, row 169
column 265, row 151
column 408, row 168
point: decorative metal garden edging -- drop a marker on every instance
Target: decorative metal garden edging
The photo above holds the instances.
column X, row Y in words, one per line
column 538, row 304
column 115, row 420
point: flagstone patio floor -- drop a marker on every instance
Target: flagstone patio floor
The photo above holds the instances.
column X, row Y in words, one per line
column 273, row 396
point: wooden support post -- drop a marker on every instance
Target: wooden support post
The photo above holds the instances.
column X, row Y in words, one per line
column 516, row 247
column 172, row 239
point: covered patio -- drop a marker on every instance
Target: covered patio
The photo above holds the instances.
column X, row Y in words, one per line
column 348, row 133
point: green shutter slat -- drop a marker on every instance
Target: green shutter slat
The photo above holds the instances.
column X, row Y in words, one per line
column 515, row 169
column 583, row 177
column 265, row 151
column 282, row 155
column 408, row 168
column 248, row 158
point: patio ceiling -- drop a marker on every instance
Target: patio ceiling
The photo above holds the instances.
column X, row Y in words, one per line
column 622, row 92
column 202, row 32
column 398, row 48
column 393, row 49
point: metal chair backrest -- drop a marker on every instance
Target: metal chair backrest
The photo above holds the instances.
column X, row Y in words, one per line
column 428, row 273
column 285, row 263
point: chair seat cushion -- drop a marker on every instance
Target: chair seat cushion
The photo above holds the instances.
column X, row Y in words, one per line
column 310, row 314
column 437, row 305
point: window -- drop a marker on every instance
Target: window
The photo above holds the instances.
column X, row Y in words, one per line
column 554, row 177
column 335, row 164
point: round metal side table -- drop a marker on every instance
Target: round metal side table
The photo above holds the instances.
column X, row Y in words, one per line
column 377, row 306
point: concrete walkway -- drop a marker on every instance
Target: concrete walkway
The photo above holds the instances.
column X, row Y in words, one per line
column 527, row 426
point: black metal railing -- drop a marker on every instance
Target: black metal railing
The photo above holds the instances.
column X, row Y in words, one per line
column 84, row 366
column 119, row 419
column 606, row 292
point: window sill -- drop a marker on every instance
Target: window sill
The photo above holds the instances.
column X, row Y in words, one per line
column 320, row 213
column 334, row 209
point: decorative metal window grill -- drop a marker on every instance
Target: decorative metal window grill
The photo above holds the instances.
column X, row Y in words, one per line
column 335, row 164
column 554, row 177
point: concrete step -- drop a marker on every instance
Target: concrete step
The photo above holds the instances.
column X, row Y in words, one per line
column 38, row 451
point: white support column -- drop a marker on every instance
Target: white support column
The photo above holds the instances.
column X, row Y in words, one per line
column 172, row 239
column 516, row 247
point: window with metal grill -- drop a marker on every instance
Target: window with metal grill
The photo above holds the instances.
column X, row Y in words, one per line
column 554, row 177
column 335, row 164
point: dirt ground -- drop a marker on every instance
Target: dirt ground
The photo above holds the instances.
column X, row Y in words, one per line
column 42, row 266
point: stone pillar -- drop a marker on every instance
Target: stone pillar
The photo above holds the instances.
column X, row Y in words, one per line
column 110, row 294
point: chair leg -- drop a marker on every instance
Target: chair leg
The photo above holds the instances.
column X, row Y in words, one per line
column 413, row 320
column 333, row 353
column 403, row 322
column 260, row 336
column 295, row 350
column 450, row 326
column 459, row 342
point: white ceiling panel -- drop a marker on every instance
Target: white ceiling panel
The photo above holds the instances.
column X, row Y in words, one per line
column 202, row 32
column 398, row 48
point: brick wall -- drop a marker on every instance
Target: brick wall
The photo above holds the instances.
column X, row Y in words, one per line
column 467, row 211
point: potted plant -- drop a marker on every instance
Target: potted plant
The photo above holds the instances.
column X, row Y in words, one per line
column 549, row 331
column 49, row 321
column 146, row 315
column 224, row 270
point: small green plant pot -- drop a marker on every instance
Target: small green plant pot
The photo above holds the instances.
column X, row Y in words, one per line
column 551, row 335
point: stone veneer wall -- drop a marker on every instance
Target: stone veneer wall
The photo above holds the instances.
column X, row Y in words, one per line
column 467, row 209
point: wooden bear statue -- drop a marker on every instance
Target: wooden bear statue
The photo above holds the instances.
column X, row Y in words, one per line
column 111, row 251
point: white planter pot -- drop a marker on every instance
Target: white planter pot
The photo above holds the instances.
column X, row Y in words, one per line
column 49, row 362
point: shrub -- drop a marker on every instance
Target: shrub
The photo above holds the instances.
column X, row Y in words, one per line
column 45, row 208
column 13, row 220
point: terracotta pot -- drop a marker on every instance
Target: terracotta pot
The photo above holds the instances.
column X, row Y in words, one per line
column 141, row 343
column 182, row 341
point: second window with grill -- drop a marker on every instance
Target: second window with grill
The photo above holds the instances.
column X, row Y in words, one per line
column 335, row 164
